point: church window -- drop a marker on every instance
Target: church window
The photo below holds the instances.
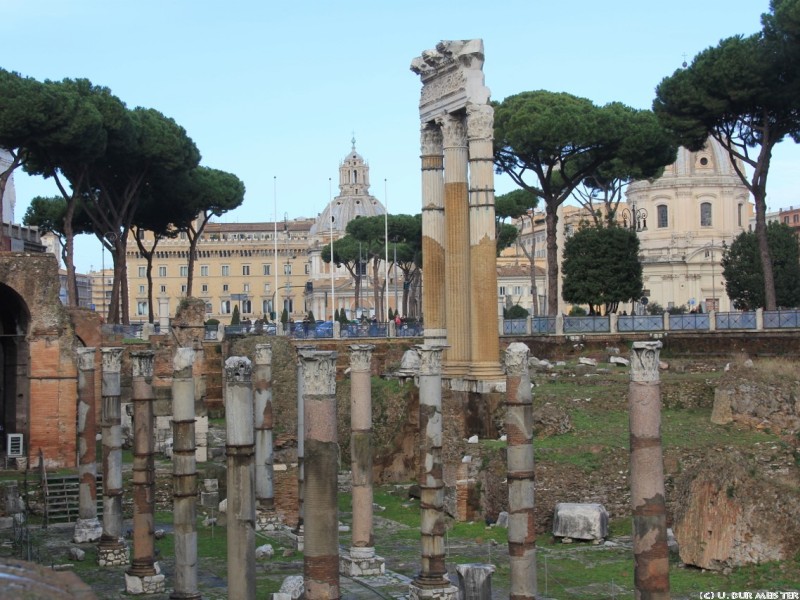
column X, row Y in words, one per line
column 663, row 215
column 705, row 214
column 704, row 161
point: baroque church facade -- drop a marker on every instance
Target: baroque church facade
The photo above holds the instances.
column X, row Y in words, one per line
column 264, row 268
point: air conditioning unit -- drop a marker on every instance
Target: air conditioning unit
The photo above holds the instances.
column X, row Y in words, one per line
column 14, row 445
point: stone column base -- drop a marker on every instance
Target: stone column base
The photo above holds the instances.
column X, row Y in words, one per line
column 361, row 562
column 148, row 584
column 447, row 592
column 268, row 520
column 87, row 530
column 296, row 537
column 113, row 555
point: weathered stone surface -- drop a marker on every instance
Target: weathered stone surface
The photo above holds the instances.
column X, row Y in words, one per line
column 580, row 521
column 293, row 585
column 550, row 419
column 726, row 515
column 264, row 552
column 744, row 397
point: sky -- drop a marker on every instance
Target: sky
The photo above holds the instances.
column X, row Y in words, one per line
column 274, row 92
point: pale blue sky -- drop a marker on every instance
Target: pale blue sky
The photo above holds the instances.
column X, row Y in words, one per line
column 268, row 89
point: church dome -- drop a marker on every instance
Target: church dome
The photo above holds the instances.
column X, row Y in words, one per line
column 354, row 200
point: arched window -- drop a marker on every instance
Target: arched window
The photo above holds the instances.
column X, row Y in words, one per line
column 705, row 214
column 663, row 215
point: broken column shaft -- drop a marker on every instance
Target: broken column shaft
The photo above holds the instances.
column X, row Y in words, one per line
column 240, row 449
column 321, row 542
column 112, row 550
column 87, row 527
column 650, row 553
column 184, row 476
column 432, row 579
column 143, row 577
column 262, row 398
column 519, row 432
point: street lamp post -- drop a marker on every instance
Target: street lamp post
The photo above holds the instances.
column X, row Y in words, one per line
column 634, row 218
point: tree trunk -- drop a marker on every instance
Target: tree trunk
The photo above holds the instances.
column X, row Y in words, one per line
column 551, row 221
column 770, row 301
column 69, row 259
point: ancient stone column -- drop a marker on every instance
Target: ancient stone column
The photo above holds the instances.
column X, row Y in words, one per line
column 362, row 559
column 651, row 562
column 433, row 298
column 484, row 337
column 144, row 576
column 262, row 398
column 456, row 238
column 432, row 581
column 87, row 527
column 184, row 476
column 519, row 432
column 112, row 550
column 301, row 351
column 240, row 450
column 321, row 543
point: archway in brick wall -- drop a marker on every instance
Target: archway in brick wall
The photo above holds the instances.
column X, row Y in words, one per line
column 14, row 354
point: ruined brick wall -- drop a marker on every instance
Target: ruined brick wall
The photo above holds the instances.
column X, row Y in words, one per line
column 47, row 388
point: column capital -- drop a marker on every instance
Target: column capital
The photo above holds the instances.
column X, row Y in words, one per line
column 238, row 369
column 480, row 122
column 454, row 130
column 142, row 363
column 112, row 359
column 517, row 359
column 263, row 354
column 430, row 140
column 360, row 357
column 319, row 372
column 86, row 359
column 644, row 362
column 183, row 359
column 430, row 359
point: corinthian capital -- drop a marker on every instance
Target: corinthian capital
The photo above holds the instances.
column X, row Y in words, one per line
column 454, row 130
column 142, row 363
column 430, row 140
column 112, row 359
column 480, row 122
column 430, row 359
column 644, row 362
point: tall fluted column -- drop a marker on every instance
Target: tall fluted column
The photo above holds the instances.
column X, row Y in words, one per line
column 240, row 448
column 143, row 577
column 262, row 397
column 112, row 550
column 433, row 294
column 457, row 270
column 650, row 554
column 484, row 337
column 87, row 527
column 519, row 430
column 321, row 549
column 432, row 581
column 184, row 476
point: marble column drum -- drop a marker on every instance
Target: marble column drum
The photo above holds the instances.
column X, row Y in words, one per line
column 88, row 527
column 264, row 452
column 144, row 576
column 432, row 581
column 650, row 552
column 240, row 452
column 361, row 559
column 112, row 550
column 184, row 476
column 321, row 543
column 520, row 476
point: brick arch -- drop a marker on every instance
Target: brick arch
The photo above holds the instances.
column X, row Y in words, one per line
column 14, row 384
